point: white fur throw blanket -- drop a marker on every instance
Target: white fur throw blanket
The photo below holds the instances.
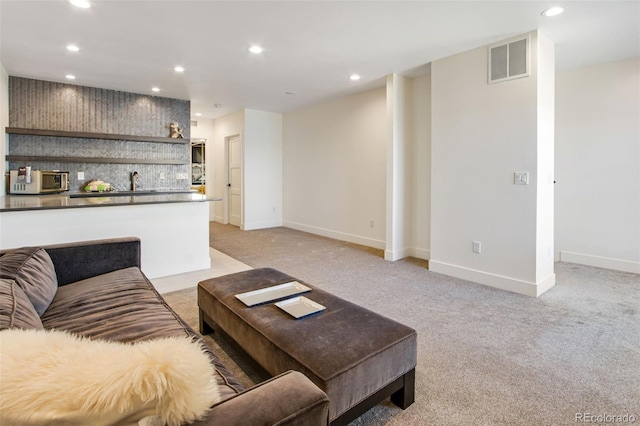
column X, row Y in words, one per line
column 53, row 377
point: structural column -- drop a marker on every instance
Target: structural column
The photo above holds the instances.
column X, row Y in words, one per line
column 398, row 168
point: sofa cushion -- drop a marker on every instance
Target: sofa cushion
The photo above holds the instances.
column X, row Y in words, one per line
column 52, row 376
column 16, row 310
column 124, row 306
column 120, row 305
column 31, row 268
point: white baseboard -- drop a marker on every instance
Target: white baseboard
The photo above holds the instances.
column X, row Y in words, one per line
column 421, row 253
column 546, row 284
column 356, row 239
column 406, row 252
column 392, row 256
column 601, row 262
column 492, row 280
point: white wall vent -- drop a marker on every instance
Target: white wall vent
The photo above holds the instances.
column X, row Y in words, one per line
column 508, row 61
column 194, row 123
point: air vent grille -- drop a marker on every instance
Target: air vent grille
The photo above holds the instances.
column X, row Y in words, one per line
column 508, row 61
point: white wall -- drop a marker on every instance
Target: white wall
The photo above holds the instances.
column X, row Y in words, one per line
column 223, row 127
column 262, row 169
column 335, row 168
column 598, row 165
column 204, row 129
column 481, row 134
column 546, row 71
column 4, row 122
column 420, row 162
column 261, row 140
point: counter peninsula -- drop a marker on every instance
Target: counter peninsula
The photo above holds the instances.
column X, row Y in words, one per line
column 172, row 226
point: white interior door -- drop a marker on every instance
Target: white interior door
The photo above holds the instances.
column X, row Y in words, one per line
column 235, row 186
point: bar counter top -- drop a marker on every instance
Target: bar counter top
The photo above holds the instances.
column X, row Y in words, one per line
column 12, row 203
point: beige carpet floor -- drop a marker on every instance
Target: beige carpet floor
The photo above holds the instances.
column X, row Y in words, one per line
column 485, row 356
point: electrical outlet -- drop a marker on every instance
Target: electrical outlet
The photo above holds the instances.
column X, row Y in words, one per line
column 477, row 247
column 161, row 175
column 80, row 175
column 182, row 176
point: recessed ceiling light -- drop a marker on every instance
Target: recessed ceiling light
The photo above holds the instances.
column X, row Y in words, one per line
column 354, row 77
column 256, row 49
column 179, row 69
column 155, row 89
column 81, row 3
column 70, row 77
column 552, row 11
column 198, row 114
column 72, row 48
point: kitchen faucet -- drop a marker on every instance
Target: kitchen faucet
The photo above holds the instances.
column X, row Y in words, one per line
column 134, row 178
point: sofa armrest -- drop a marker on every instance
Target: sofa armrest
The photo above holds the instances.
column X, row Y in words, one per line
column 288, row 399
column 80, row 260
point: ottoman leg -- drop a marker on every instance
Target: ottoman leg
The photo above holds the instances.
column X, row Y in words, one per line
column 204, row 327
column 405, row 396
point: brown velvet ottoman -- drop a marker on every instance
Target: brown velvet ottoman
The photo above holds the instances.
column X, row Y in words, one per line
column 356, row 356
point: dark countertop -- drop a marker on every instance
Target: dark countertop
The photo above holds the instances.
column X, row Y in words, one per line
column 12, row 203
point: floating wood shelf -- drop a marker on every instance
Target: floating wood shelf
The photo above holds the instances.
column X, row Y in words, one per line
column 92, row 160
column 89, row 135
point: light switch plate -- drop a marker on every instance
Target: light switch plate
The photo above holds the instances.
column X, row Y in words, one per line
column 521, row 178
column 80, row 175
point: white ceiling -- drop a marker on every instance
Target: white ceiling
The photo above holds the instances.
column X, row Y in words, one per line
column 311, row 47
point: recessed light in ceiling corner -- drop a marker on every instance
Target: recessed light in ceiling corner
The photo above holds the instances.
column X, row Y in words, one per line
column 256, row 49
column 178, row 68
column 552, row 11
column 84, row 4
column 354, row 77
column 70, row 77
column 72, row 48
column 155, row 89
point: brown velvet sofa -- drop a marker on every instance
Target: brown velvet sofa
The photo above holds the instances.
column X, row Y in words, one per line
column 100, row 292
